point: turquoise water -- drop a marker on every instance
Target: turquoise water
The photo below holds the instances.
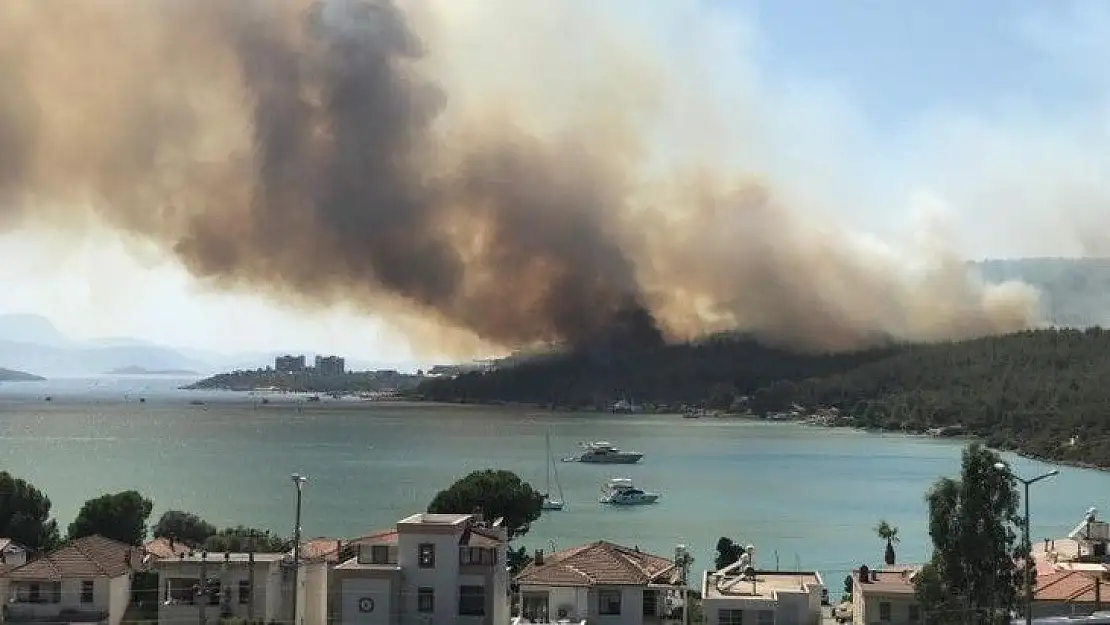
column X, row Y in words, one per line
column 811, row 495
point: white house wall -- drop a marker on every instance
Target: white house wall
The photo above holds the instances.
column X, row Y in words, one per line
column 119, row 596
column 354, row 607
column 444, row 577
column 70, row 598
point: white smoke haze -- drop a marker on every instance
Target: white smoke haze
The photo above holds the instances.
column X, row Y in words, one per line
column 503, row 172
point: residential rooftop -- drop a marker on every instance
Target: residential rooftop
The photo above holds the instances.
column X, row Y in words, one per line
column 600, row 563
column 88, row 557
column 425, row 518
column 218, row 557
column 762, row 585
column 891, row 580
column 1066, row 586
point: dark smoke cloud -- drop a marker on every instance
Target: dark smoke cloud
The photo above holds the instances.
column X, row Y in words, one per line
column 304, row 150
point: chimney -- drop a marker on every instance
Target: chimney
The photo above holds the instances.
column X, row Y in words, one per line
column 538, row 559
column 171, row 541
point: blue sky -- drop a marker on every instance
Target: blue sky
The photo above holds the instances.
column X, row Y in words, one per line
column 990, row 116
column 899, row 58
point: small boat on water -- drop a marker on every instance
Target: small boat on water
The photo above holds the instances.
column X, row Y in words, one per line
column 548, row 502
column 604, row 452
column 621, row 491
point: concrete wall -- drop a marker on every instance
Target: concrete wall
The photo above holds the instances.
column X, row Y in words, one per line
column 266, row 594
column 367, row 601
column 70, row 599
column 443, row 577
column 119, row 596
column 866, row 608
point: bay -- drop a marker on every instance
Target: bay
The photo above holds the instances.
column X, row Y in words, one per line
column 804, row 496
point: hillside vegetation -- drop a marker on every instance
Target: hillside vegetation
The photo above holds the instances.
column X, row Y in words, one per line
column 709, row 373
column 351, row 382
column 1041, row 392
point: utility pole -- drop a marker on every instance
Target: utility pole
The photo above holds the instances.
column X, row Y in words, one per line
column 202, row 593
column 298, row 483
column 1027, row 576
column 250, row 584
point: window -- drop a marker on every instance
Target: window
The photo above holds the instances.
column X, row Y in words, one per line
column 244, row 591
column 915, row 613
column 884, row 611
column 379, row 554
column 472, row 600
column 56, row 592
column 426, row 600
column 427, row 556
column 730, row 617
column 477, row 555
column 87, row 591
column 766, row 617
column 34, row 594
column 609, row 602
column 650, row 600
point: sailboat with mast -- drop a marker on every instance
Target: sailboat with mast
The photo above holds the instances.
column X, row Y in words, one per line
column 548, row 502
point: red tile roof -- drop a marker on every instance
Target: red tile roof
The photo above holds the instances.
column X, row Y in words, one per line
column 380, row 537
column 89, row 557
column 600, row 564
column 1069, row 586
column 162, row 548
column 326, row 549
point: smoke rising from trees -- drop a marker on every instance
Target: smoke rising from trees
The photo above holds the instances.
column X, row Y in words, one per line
column 329, row 152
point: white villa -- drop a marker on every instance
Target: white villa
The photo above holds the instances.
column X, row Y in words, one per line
column 431, row 568
column 600, row 583
column 740, row 594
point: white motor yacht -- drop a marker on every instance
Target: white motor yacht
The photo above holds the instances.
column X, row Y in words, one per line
column 604, row 452
column 622, row 492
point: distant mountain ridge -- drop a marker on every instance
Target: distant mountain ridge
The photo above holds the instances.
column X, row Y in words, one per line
column 1075, row 292
column 9, row 375
column 31, row 342
column 144, row 371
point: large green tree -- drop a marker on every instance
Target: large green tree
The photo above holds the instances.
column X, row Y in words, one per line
column 241, row 538
column 973, row 522
column 183, row 526
column 25, row 514
column 494, row 493
column 120, row 516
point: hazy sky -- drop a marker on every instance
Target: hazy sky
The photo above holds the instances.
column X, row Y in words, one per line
column 989, row 118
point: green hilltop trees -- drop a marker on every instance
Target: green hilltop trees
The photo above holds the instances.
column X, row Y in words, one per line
column 120, row 516
column 25, row 514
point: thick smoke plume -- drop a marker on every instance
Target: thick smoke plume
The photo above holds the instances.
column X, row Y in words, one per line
column 323, row 152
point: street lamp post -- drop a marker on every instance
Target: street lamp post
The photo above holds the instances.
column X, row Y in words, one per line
column 1002, row 466
column 298, row 483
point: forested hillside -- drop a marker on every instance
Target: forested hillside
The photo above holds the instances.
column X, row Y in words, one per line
column 1044, row 392
column 711, row 371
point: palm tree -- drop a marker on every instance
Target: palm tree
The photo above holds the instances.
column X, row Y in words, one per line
column 889, row 533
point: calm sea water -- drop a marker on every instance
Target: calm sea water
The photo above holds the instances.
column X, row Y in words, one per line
column 809, row 496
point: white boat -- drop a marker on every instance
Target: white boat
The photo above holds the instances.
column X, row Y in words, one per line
column 548, row 502
column 604, row 452
column 621, row 491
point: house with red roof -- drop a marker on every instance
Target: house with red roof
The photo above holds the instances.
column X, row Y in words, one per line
column 600, row 582
column 87, row 580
